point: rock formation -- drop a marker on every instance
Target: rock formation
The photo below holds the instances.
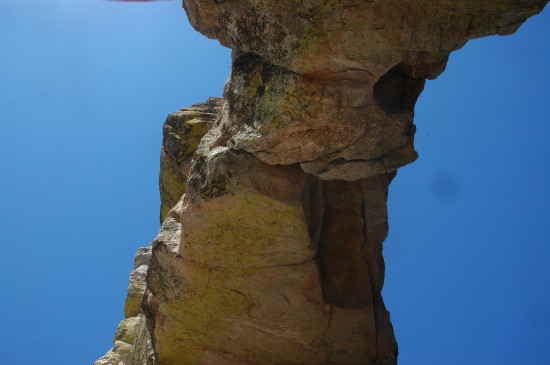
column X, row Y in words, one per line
column 274, row 197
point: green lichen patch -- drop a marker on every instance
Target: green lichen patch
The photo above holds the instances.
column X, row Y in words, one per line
column 245, row 314
column 126, row 330
column 216, row 186
column 182, row 133
column 245, row 229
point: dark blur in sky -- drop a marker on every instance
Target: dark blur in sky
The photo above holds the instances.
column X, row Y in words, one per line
column 84, row 89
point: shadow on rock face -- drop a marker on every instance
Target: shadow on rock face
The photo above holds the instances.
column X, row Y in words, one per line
column 395, row 92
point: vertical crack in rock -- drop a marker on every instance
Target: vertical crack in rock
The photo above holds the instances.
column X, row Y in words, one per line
column 375, row 230
column 345, row 277
column 273, row 198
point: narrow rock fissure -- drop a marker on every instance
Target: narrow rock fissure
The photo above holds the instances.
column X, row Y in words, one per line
column 343, row 272
column 369, row 269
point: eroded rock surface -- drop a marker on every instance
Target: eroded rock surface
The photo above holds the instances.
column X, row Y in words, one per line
column 274, row 197
column 332, row 84
column 182, row 133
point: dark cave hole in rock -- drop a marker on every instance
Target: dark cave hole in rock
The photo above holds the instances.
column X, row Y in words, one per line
column 396, row 92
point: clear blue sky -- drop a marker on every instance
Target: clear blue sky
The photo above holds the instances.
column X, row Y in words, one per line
column 84, row 89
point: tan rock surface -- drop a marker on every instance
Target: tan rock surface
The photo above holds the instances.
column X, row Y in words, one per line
column 333, row 84
column 137, row 284
column 120, row 354
column 238, row 280
column 274, row 197
column 182, row 133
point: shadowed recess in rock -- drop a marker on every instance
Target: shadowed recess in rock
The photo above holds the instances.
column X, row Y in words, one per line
column 395, row 92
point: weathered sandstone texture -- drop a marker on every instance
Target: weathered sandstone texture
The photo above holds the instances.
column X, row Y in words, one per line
column 182, row 133
column 274, row 197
